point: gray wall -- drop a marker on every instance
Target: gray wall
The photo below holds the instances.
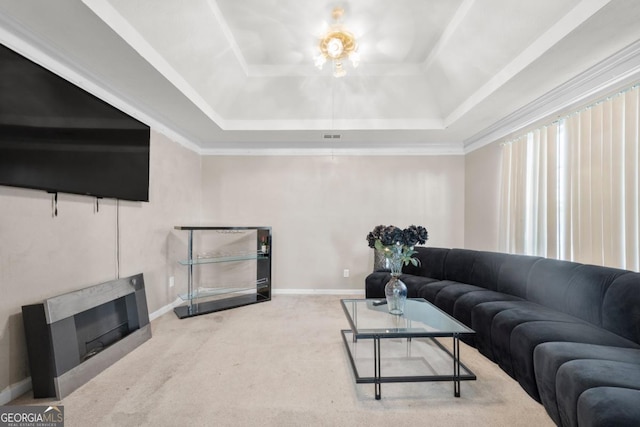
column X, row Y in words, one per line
column 321, row 208
column 482, row 198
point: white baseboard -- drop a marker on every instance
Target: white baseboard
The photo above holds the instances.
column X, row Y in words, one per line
column 163, row 310
column 15, row 390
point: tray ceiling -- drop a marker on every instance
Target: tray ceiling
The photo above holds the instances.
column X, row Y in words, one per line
column 239, row 75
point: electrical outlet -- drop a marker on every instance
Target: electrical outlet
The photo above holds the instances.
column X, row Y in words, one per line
column 345, row 273
column 172, row 281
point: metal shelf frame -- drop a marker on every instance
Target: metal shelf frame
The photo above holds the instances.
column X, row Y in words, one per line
column 260, row 291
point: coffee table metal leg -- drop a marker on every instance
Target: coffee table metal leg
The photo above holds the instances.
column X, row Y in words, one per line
column 376, row 368
column 456, row 366
column 355, row 317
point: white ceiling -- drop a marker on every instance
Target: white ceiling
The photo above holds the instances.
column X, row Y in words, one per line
column 238, row 76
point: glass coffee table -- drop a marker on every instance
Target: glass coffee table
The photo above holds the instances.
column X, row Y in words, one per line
column 387, row 348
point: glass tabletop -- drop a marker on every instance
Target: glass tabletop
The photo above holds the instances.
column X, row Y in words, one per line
column 420, row 319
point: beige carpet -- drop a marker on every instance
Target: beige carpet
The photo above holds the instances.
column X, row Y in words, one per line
column 279, row 363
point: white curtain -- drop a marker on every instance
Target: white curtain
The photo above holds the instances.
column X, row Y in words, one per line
column 570, row 190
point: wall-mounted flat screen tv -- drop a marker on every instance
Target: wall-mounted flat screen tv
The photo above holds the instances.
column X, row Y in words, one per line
column 57, row 137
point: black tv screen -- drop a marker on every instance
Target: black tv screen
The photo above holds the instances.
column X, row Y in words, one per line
column 55, row 136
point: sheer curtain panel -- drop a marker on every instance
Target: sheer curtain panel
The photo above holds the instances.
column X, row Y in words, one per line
column 570, row 189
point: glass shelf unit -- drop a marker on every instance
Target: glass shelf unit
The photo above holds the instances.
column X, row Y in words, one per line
column 224, row 258
column 206, row 292
column 228, row 294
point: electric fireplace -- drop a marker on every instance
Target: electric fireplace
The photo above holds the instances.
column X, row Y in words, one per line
column 73, row 337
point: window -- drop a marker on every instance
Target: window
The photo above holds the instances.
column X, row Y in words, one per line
column 570, row 189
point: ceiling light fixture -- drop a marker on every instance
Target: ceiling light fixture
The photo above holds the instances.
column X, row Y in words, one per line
column 336, row 45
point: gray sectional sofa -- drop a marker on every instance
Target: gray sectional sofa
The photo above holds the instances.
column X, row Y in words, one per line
column 569, row 333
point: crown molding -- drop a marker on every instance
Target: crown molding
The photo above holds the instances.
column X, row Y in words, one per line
column 565, row 25
column 442, row 149
column 614, row 73
column 333, row 124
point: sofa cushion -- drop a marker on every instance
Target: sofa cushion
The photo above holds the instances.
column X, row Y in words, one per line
column 525, row 337
column 514, row 275
column 431, row 263
column 447, row 297
column 577, row 376
column 414, row 284
column 493, row 271
column 459, row 264
column 505, row 321
column 621, row 307
column 374, row 284
column 474, row 267
column 430, row 290
column 549, row 356
column 572, row 288
column 464, row 304
column 608, row 407
column 482, row 317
